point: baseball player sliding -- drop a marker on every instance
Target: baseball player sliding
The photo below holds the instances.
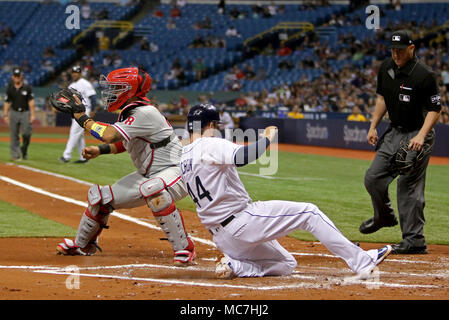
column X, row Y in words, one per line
column 76, row 136
column 246, row 231
column 155, row 150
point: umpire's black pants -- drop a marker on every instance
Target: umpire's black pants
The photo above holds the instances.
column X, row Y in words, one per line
column 19, row 122
column 410, row 187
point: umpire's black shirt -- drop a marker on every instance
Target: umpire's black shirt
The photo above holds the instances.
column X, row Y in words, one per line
column 409, row 92
column 19, row 98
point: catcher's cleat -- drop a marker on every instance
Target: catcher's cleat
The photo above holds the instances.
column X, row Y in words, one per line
column 184, row 258
column 69, row 248
column 223, row 269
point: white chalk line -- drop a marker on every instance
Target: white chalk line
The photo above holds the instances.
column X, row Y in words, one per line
column 151, row 226
column 331, row 272
column 325, row 255
column 351, row 281
column 300, row 272
column 188, row 283
column 112, row 267
column 325, row 282
column 84, row 204
column 280, row 178
column 120, row 215
column 54, row 174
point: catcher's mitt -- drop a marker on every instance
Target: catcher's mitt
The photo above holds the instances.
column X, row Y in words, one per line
column 405, row 160
column 67, row 101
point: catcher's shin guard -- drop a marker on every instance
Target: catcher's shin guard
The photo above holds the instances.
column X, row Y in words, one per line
column 170, row 220
column 92, row 222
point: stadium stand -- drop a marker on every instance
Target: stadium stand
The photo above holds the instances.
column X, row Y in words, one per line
column 329, row 66
column 37, row 26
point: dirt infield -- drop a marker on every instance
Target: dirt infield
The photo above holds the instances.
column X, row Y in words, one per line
column 136, row 264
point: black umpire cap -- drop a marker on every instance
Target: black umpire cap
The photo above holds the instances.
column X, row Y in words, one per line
column 203, row 113
column 17, row 72
column 401, row 39
column 76, row 69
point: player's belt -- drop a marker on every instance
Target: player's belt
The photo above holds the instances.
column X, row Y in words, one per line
column 20, row 110
column 162, row 143
column 402, row 129
column 227, row 220
column 224, row 223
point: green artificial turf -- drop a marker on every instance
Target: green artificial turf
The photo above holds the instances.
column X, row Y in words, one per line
column 17, row 222
column 335, row 185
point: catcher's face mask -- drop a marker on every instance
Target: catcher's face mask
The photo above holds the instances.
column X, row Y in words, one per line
column 114, row 94
column 123, row 84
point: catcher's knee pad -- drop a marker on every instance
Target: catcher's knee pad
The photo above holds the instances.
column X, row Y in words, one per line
column 160, row 201
column 95, row 216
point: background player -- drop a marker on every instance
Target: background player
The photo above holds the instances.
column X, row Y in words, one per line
column 20, row 97
column 76, row 137
column 155, row 151
column 246, row 231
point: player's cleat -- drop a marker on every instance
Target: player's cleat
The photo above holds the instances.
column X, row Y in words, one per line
column 69, row 248
column 223, row 269
column 81, row 161
column 184, row 258
column 382, row 253
column 63, row 160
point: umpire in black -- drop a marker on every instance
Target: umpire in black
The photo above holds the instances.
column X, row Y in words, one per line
column 407, row 89
column 18, row 112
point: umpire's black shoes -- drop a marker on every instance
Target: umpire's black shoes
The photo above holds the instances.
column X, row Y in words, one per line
column 404, row 248
column 371, row 226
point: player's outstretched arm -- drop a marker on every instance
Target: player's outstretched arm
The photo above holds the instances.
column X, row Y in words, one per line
column 251, row 152
column 99, row 130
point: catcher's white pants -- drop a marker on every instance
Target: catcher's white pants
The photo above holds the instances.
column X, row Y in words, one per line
column 250, row 239
column 76, row 140
column 127, row 194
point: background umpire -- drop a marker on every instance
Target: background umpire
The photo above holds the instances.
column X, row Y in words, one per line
column 407, row 89
column 20, row 98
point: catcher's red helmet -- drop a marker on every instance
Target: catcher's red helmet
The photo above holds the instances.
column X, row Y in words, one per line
column 121, row 85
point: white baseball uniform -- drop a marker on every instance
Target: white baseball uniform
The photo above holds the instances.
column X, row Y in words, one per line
column 142, row 126
column 249, row 239
column 76, row 135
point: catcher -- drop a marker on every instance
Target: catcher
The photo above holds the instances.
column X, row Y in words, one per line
column 155, row 150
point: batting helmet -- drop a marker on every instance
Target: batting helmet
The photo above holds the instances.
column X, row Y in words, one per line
column 76, row 69
column 121, row 85
column 203, row 113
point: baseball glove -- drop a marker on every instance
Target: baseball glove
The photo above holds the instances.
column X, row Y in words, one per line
column 67, row 101
column 405, row 160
